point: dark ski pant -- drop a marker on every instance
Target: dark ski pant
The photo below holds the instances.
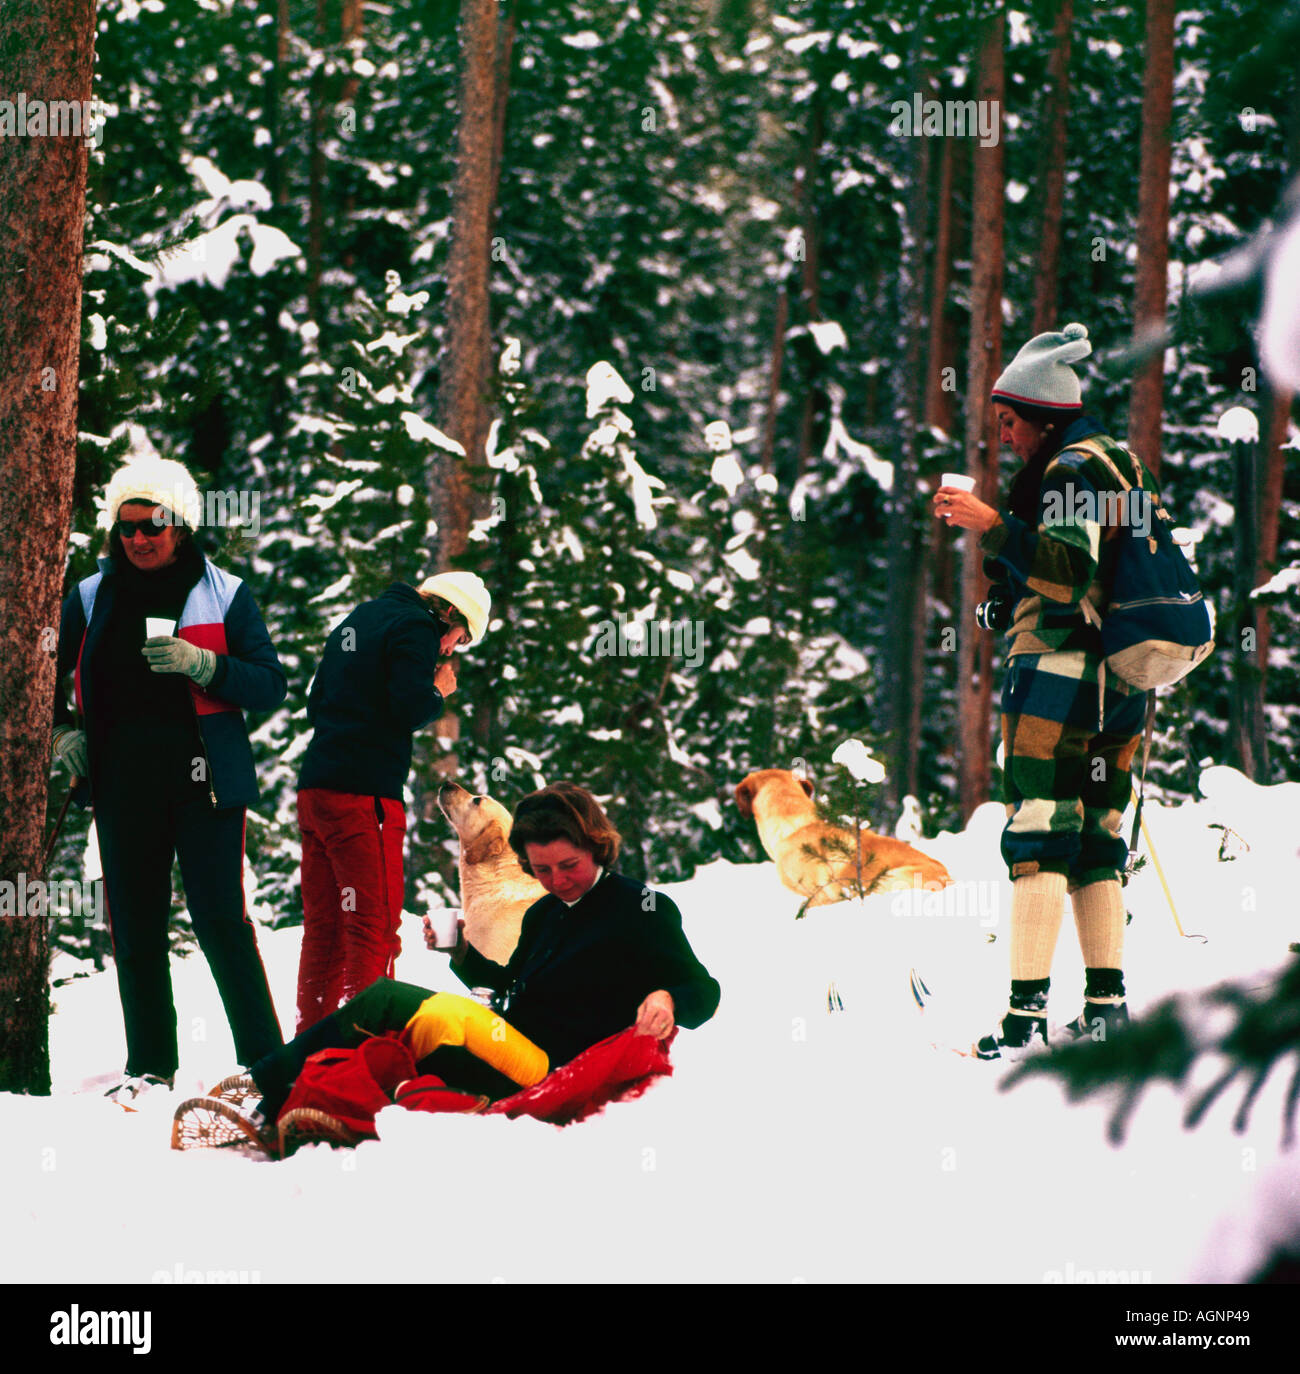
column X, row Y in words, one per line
column 141, row 825
column 384, row 1006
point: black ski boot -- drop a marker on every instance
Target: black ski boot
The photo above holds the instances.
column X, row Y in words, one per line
column 1023, row 1030
column 1097, row 1021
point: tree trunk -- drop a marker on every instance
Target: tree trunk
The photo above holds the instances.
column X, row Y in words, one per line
column 1151, row 290
column 1051, row 171
column 941, row 348
column 906, row 544
column 941, row 394
column 774, row 376
column 810, row 294
column 316, row 173
column 1277, row 411
column 278, row 117
column 462, row 412
column 1246, row 709
column 974, row 646
column 48, row 52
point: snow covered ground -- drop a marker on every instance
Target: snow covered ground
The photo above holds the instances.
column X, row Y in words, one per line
column 792, row 1143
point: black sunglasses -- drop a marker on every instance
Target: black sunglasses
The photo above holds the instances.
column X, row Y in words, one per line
column 448, row 614
column 150, row 528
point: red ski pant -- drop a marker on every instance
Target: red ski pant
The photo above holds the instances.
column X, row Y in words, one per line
column 352, row 890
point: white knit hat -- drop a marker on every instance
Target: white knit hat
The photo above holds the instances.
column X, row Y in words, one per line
column 467, row 592
column 1040, row 374
column 159, row 482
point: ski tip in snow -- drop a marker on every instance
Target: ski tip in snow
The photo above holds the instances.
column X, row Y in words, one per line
column 920, row 993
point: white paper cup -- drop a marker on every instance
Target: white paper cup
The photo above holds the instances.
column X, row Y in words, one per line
column 158, row 625
column 446, row 927
column 957, row 479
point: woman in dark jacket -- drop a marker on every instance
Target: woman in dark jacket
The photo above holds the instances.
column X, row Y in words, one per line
column 385, row 673
column 1069, row 729
column 596, row 955
column 163, row 756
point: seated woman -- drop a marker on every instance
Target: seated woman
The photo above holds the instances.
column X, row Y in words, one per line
column 597, row 954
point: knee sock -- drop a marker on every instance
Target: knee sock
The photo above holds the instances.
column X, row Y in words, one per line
column 1100, row 918
column 1037, row 906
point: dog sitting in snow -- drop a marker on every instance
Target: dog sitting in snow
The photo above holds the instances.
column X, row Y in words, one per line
column 815, row 859
column 494, row 891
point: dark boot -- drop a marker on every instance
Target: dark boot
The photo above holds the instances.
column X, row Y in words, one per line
column 1023, row 1030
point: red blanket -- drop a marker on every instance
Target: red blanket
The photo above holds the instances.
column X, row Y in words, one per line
column 354, row 1085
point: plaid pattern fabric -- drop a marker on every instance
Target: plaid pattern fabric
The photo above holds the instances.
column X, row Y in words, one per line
column 1066, row 782
column 1051, row 567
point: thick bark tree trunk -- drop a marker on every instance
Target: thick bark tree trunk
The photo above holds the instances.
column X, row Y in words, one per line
column 462, row 412
column 1051, row 171
column 974, row 646
column 1151, row 290
column 47, row 51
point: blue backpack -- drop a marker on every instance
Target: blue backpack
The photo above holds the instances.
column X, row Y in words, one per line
column 1156, row 628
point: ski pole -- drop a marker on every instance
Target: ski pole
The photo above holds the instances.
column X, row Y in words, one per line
column 58, row 825
column 1160, row 873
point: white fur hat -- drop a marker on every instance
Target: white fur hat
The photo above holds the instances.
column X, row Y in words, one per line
column 467, row 592
column 158, row 481
column 1040, row 374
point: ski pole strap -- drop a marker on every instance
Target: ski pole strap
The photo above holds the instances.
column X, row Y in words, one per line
column 1147, row 731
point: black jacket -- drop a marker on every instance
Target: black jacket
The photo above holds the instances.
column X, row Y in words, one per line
column 578, row 974
column 373, row 688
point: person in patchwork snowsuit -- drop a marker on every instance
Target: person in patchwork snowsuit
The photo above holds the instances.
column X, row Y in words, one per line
column 161, row 752
column 1070, row 729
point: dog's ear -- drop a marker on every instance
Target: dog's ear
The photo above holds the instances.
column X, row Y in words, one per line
column 486, row 845
column 806, row 784
column 745, row 799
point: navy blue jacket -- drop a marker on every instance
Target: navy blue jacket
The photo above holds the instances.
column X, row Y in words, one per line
column 579, row 973
column 219, row 614
column 373, row 688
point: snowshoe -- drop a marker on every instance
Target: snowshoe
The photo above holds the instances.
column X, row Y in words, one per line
column 239, row 1090
column 213, row 1123
column 305, row 1125
column 1097, row 1021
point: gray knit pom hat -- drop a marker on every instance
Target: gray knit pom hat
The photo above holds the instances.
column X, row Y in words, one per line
column 1040, row 374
